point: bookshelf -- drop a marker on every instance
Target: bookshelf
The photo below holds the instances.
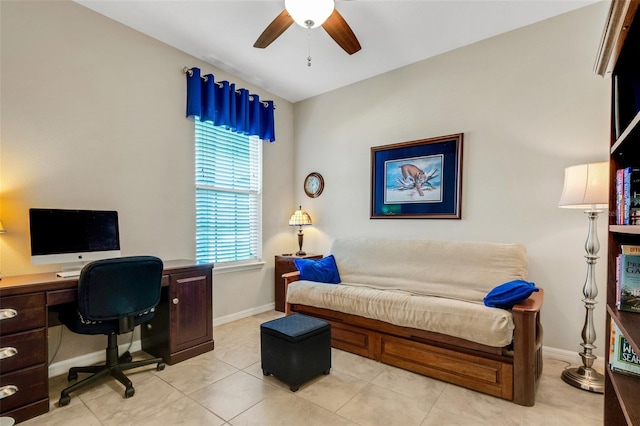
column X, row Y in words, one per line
column 620, row 43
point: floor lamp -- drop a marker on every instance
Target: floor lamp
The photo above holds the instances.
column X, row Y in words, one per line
column 586, row 188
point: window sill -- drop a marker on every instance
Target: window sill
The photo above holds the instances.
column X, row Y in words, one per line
column 228, row 269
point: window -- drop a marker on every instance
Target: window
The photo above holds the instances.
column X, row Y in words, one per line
column 228, row 195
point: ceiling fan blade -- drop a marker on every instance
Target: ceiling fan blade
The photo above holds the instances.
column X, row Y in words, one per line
column 274, row 30
column 341, row 32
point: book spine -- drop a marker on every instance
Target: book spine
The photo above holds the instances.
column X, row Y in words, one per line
column 630, row 249
column 627, row 191
column 634, row 197
column 630, row 283
column 618, row 264
column 619, row 196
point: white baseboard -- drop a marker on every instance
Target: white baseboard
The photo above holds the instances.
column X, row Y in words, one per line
column 62, row 367
column 244, row 314
column 568, row 356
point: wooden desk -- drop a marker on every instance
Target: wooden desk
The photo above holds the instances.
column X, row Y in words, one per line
column 182, row 328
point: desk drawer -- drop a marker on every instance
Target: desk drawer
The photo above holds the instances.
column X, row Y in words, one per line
column 30, row 384
column 23, row 349
column 24, row 312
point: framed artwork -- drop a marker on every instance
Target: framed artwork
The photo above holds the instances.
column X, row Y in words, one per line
column 417, row 180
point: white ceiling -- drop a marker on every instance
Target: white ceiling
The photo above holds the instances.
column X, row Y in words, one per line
column 392, row 34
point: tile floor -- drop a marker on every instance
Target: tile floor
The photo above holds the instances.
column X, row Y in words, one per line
column 226, row 387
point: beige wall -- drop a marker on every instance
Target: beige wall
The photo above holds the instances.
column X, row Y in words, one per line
column 93, row 118
column 528, row 104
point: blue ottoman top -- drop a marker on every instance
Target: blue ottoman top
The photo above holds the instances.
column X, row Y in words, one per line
column 295, row 327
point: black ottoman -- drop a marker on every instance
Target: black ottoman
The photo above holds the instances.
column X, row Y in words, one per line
column 295, row 349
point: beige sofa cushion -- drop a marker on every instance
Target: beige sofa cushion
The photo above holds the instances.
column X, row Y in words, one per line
column 466, row 320
column 452, row 269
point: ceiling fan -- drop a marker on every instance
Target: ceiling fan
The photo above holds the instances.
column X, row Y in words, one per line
column 311, row 14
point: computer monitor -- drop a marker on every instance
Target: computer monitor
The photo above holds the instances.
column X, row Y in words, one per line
column 73, row 237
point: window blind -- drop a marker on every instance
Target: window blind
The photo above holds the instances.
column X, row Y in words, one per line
column 228, row 182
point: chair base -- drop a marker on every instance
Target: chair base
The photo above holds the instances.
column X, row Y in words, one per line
column 115, row 366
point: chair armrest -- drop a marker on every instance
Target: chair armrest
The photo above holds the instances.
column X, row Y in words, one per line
column 532, row 304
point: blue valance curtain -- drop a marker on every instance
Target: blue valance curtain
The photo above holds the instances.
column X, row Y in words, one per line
column 224, row 105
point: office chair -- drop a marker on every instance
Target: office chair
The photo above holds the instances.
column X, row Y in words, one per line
column 114, row 295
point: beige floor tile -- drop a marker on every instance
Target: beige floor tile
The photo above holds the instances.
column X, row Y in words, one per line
column 234, row 394
column 151, row 393
column 332, row 391
column 182, row 411
column 545, row 415
column 285, row 408
column 195, row 373
column 360, row 367
column 554, row 392
column 486, row 409
column 438, row 417
column 411, row 384
column 71, row 415
column 377, row 406
column 240, row 353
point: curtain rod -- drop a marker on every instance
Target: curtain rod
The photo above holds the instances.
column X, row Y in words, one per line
column 187, row 70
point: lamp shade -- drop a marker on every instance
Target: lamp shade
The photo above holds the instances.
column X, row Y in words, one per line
column 586, row 186
column 309, row 13
column 300, row 218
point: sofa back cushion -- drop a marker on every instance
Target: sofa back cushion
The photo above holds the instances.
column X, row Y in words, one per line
column 455, row 269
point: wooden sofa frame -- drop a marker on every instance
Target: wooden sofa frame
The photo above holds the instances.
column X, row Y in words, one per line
column 511, row 372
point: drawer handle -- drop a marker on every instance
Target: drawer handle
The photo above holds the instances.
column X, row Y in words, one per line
column 8, row 352
column 8, row 390
column 8, row 313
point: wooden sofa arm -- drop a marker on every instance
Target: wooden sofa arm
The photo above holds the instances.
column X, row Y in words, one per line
column 288, row 278
column 532, row 304
column 527, row 348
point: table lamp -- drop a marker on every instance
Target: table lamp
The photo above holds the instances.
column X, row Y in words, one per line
column 586, row 187
column 300, row 218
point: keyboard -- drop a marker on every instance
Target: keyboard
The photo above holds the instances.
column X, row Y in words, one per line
column 68, row 274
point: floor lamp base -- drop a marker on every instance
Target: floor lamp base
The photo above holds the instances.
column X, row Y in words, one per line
column 584, row 378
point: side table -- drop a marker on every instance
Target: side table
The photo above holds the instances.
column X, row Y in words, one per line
column 284, row 264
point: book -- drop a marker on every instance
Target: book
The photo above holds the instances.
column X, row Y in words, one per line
column 631, row 195
column 629, row 293
column 629, row 249
column 619, row 196
column 622, row 357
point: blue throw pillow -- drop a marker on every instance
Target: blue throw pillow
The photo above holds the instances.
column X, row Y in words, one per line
column 508, row 294
column 323, row 270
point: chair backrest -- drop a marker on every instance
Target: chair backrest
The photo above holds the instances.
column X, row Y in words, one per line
column 122, row 287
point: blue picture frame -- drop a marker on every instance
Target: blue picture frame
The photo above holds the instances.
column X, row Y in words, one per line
column 419, row 179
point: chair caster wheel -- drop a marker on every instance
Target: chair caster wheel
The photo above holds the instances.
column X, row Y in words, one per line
column 129, row 392
column 72, row 376
column 64, row 400
column 326, row 372
column 126, row 357
column 160, row 366
column 265, row 373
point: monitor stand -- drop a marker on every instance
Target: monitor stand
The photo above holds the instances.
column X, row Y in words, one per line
column 70, row 269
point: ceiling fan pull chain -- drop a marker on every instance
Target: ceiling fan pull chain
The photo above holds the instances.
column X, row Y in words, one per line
column 309, row 57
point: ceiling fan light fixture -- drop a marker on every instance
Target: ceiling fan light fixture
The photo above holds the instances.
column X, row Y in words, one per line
column 309, row 13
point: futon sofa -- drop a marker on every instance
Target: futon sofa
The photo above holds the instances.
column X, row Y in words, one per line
column 418, row 305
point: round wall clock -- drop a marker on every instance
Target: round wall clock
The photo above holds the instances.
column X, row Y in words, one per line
column 313, row 185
